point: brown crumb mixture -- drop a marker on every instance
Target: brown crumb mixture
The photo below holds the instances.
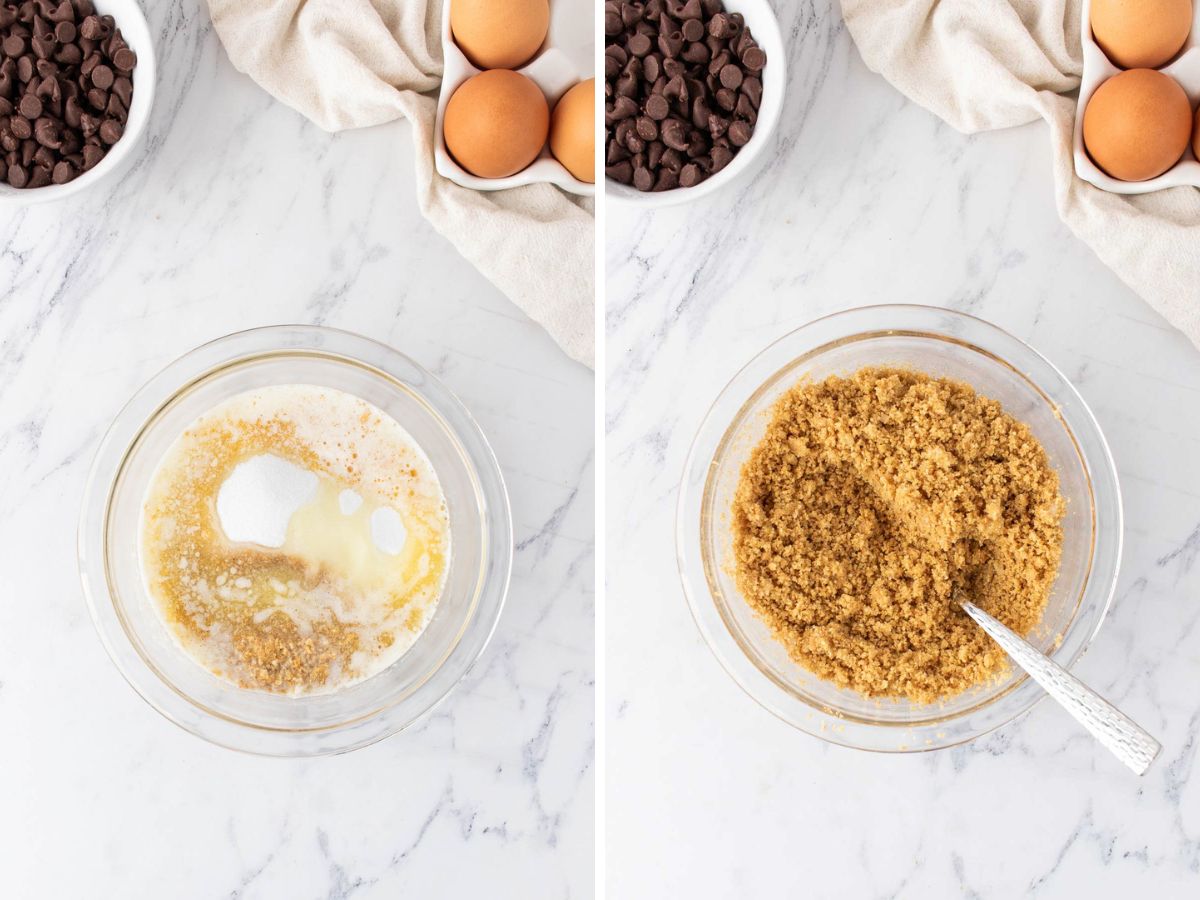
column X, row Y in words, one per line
column 870, row 505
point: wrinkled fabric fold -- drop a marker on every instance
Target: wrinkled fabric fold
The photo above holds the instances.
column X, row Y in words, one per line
column 357, row 63
column 987, row 64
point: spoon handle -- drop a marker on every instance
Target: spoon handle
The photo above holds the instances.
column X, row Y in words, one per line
column 1111, row 727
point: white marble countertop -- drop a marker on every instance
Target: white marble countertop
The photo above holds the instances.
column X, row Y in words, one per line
column 870, row 199
column 239, row 214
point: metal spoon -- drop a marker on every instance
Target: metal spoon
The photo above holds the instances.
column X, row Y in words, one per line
column 1111, row 727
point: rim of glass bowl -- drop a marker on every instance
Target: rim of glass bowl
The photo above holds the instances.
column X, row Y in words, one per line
column 763, row 373
column 196, row 367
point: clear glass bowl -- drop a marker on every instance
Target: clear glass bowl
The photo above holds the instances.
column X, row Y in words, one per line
column 260, row 722
column 940, row 342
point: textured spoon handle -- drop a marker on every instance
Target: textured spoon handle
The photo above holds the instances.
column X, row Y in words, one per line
column 1108, row 725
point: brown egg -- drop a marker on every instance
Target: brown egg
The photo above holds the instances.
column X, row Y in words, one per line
column 1137, row 124
column 496, row 123
column 1141, row 34
column 573, row 131
column 499, row 34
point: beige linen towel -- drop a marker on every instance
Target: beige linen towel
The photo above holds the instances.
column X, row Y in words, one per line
column 985, row 64
column 354, row 63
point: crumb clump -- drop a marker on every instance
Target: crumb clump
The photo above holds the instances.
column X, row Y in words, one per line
column 870, row 506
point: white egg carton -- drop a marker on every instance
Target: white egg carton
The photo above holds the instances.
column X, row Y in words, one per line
column 565, row 59
column 1097, row 68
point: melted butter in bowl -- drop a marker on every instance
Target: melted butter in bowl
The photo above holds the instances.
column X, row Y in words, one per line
column 295, row 539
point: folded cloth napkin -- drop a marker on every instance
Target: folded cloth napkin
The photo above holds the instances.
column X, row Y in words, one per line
column 354, row 63
column 986, row 64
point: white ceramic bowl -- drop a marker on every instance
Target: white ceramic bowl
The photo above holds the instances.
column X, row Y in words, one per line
column 1184, row 67
column 136, row 32
column 761, row 21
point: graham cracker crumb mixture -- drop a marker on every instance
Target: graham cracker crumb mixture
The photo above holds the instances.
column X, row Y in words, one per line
column 871, row 504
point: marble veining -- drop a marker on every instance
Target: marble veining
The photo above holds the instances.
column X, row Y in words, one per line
column 866, row 198
column 238, row 213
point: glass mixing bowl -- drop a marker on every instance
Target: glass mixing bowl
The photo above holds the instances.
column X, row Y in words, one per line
column 261, row 722
column 940, row 342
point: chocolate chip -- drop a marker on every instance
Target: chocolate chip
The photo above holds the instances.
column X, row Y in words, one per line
column 752, row 88
column 18, row 176
column 39, row 176
column 45, row 157
column 690, row 175
column 731, row 76
column 673, row 89
column 30, row 106
column 740, row 132
column 123, row 88
column 674, row 134
column 13, row 46
column 43, row 47
column 65, row 32
column 647, row 128
column 622, row 108
column 111, row 131
column 92, row 154
column 46, row 132
column 69, row 55
column 91, row 29
column 657, row 107
column 639, row 45
column 670, row 44
column 71, row 112
column 102, row 77
column 62, row 13
column 622, row 172
column 697, row 54
column 753, row 58
column 651, row 67
column 666, row 180
column 642, row 179
column 21, row 127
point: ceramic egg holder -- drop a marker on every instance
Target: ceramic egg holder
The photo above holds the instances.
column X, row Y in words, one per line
column 1097, row 68
column 553, row 70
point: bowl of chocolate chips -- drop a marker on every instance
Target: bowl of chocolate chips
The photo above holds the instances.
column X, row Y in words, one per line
column 76, row 87
column 693, row 90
